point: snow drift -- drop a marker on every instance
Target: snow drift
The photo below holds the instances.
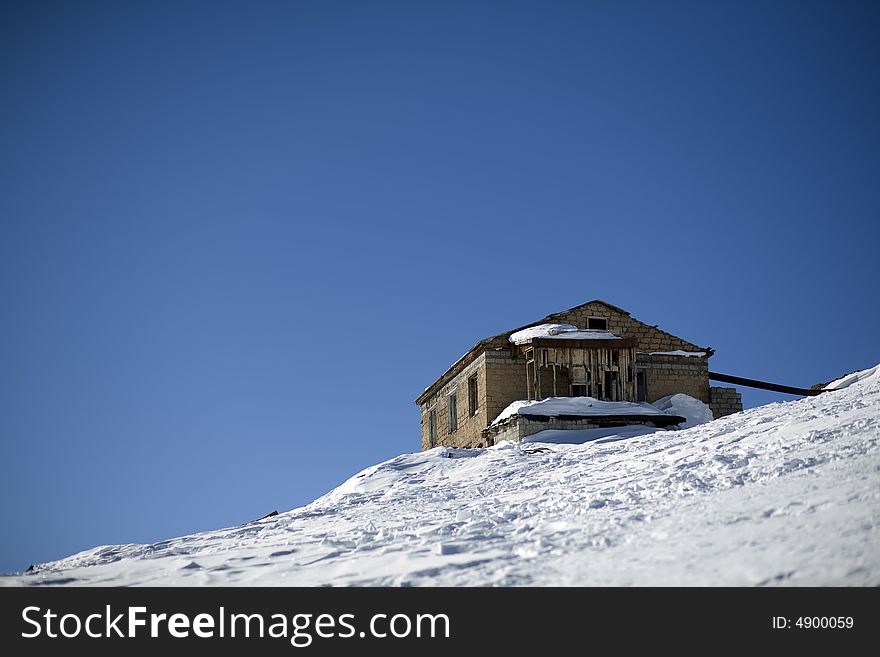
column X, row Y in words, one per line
column 872, row 374
column 693, row 410
column 787, row 493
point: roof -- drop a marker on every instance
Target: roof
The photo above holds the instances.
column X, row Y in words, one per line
column 660, row 420
column 577, row 407
column 478, row 348
column 584, row 343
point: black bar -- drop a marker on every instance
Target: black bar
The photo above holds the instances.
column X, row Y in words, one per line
column 525, row 621
column 763, row 385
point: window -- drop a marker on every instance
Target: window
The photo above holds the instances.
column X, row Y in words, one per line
column 615, row 357
column 597, row 323
column 641, row 386
column 610, row 389
column 473, row 399
column 453, row 413
column 432, row 427
column 579, row 390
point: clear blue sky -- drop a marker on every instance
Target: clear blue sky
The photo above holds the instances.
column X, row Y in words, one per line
column 239, row 238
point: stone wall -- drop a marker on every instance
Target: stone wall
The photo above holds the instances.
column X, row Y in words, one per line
column 519, row 427
column 467, row 433
column 650, row 338
column 506, row 382
column 724, row 401
column 668, row 375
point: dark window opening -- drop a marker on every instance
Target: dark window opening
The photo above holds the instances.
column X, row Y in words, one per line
column 597, row 323
column 641, row 387
column 615, row 357
column 453, row 413
column 611, row 391
column 473, row 399
column 579, row 390
column 432, row 427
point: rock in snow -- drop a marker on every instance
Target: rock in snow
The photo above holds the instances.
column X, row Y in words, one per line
column 787, row 493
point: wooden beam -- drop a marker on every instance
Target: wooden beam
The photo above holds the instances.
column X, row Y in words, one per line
column 538, row 374
column 621, row 343
column 763, row 385
column 528, row 382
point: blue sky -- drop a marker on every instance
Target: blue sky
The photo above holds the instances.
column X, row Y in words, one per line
column 239, row 239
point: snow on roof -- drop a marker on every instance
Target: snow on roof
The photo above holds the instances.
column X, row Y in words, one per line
column 564, row 331
column 677, row 352
column 584, row 406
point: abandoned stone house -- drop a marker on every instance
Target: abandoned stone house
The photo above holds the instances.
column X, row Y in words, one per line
column 600, row 351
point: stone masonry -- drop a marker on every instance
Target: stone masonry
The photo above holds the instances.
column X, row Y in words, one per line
column 724, row 401
column 668, row 375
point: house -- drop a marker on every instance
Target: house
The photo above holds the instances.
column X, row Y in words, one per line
column 594, row 350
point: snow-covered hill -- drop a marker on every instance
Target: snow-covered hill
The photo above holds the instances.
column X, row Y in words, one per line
column 787, row 493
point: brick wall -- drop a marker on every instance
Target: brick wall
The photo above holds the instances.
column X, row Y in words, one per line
column 724, row 401
column 520, row 427
column 468, row 432
column 668, row 375
column 506, row 382
column 649, row 338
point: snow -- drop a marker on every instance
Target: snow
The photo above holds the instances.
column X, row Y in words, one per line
column 577, row 436
column 584, row 406
column 690, row 408
column 559, row 331
column 872, row 374
column 678, row 352
column 783, row 494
